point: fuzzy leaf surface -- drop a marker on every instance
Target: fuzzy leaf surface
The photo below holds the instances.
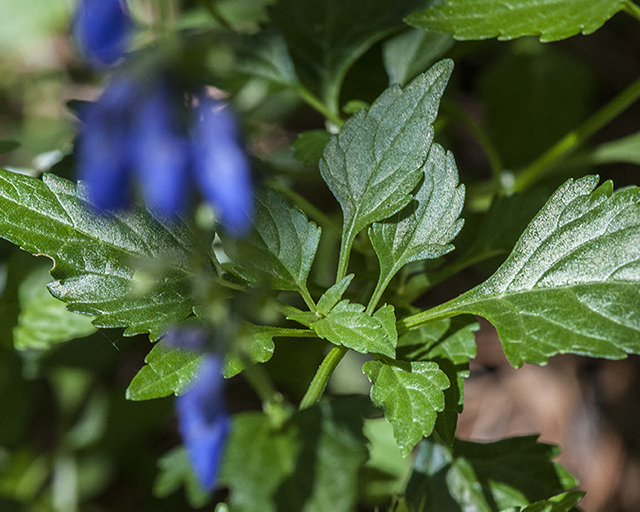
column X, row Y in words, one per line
column 424, row 228
column 450, row 343
column 283, row 245
column 93, row 254
column 348, row 325
column 572, row 282
column 485, row 477
column 552, row 20
column 411, row 395
column 375, row 162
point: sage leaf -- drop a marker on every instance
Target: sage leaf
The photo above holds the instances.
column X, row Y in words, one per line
column 411, row 395
column 513, row 472
column 375, row 162
column 552, row 20
column 424, row 228
column 348, row 325
column 282, row 247
column 572, row 282
column 93, row 254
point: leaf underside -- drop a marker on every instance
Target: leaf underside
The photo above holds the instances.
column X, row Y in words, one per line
column 552, row 20
column 93, row 254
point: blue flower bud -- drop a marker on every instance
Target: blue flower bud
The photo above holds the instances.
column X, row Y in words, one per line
column 204, row 422
column 101, row 29
column 221, row 166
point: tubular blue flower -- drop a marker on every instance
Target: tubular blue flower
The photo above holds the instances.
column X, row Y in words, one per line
column 204, row 422
column 139, row 129
column 101, row 29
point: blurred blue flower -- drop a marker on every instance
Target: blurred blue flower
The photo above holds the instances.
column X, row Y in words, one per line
column 204, row 422
column 101, row 29
column 145, row 130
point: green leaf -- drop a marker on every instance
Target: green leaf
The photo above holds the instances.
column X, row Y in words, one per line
column 560, row 503
column 331, row 297
column 93, row 254
column 282, row 247
column 167, row 371
column 485, row 477
column 311, row 464
column 175, row 472
column 8, row 145
column 308, row 147
column 265, row 55
column 412, row 52
column 43, row 320
column 326, row 37
column 375, row 162
column 257, row 341
column 450, row 343
column 550, row 19
column 411, row 395
column 625, row 150
column 572, row 282
column 424, row 228
column 348, row 325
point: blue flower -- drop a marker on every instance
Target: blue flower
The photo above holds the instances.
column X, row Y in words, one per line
column 101, row 29
column 144, row 130
column 204, row 422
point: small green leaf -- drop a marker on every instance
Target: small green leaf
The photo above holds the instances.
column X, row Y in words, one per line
column 8, row 145
column 331, row 297
column 312, row 463
column 258, row 343
column 560, row 503
column 282, row 247
column 424, row 228
column 309, row 146
column 93, row 254
column 550, row 19
column 167, row 371
column 485, row 477
column 43, row 320
column 412, row 52
column 625, row 150
column 411, row 395
column 265, row 55
column 375, row 162
column 175, row 472
column 450, row 343
column 572, row 282
column 348, row 325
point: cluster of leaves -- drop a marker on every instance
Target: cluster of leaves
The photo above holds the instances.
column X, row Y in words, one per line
column 569, row 284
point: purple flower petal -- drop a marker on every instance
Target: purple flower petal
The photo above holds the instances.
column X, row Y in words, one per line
column 222, row 167
column 101, row 29
column 204, row 422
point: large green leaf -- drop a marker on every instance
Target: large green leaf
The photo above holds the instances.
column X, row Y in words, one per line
column 282, row 247
column 310, row 464
column 424, row 228
column 411, row 395
column 93, row 254
column 347, row 324
column 450, row 343
column 375, row 162
column 326, row 37
column 550, row 19
column 571, row 283
column 43, row 320
column 485, row 477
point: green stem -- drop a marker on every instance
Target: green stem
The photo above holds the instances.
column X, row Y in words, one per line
column 632, row 9
column 413, row 322
column 283, row 332
column 308, row 299
column 377, row 295
column 257, row 376
column 543, row 165
column 312, row 100
column 322, row 376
